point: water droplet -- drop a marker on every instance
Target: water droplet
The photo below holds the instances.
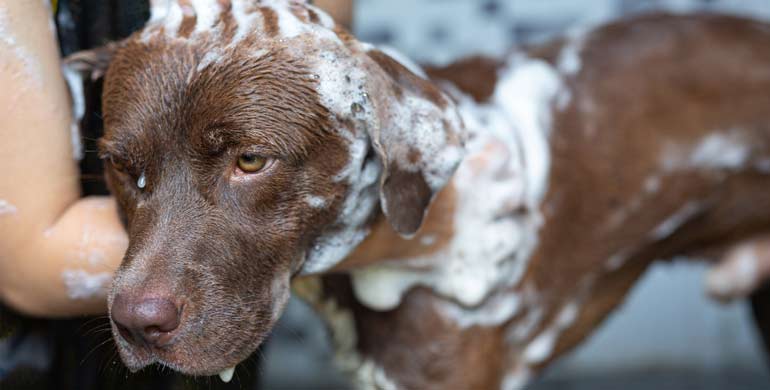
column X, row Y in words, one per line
column 356, row 108
column 142, row 182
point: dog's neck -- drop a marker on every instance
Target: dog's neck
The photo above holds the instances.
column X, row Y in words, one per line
column 490, row 210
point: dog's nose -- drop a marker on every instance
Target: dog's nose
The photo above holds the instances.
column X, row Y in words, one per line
column 145, row 320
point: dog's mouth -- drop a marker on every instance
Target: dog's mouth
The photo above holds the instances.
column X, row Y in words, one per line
column 187, row 354
column 200, row 341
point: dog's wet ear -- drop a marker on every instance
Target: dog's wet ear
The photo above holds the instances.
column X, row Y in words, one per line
column 91, row 63
column 419, row 141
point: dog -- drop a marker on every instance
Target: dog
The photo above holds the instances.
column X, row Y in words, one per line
column 457, row 227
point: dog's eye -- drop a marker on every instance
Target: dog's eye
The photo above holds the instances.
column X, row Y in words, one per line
column 251, row 163
column 117, row 165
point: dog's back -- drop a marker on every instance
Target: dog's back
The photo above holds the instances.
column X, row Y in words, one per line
column 658, row 146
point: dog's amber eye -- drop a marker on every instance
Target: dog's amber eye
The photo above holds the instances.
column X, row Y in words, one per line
column 251, row 163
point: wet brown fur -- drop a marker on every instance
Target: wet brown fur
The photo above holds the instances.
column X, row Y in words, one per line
column 649, row 79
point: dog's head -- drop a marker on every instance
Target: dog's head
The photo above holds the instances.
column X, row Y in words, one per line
column 247, row 141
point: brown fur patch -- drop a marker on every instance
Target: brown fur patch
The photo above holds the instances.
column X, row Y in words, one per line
column 405, row 79
column 189, row 19
column 271, row 21
column 476, row 76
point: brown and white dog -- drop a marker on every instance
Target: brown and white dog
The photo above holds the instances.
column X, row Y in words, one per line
column 469, row 226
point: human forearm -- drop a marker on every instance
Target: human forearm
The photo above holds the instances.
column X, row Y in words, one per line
column 43, row 225
column 66, row 269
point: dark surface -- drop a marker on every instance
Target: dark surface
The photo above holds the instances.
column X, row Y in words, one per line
column 760, row 307
column 735, row 379
column 87, row 24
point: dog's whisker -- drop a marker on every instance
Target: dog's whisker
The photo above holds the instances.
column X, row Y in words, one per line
column 91, row 321
column 103, row 343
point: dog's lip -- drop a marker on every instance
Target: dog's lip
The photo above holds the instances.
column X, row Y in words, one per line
column 142, row 357
column 152, row 358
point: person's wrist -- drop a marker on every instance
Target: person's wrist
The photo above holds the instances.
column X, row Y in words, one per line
column 20, row 302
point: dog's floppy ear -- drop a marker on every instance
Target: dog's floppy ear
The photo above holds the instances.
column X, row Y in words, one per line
column 418, row 140
column 92, row 63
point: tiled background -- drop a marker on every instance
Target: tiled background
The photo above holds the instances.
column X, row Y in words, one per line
column 667, row 335
column 441, row 30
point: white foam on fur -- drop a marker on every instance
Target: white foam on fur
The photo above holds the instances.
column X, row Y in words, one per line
column 345, row 80
column 74, row 81
column 541, row 347
column 570, row 61
column 737, row 276
column 496, row 310
column 403, row 60
column 338, row 95
column 244, row 21
column 317, row 202
column 492, row 244
column 719, row 150
column 365, row 373
column 206, row 13
column 669, row 226
column 524, row 328
column 517, row 380
column 526, row 92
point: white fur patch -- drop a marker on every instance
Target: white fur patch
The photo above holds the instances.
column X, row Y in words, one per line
column 84, row 285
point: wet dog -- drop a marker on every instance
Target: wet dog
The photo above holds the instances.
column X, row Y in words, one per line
column 471, row 224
